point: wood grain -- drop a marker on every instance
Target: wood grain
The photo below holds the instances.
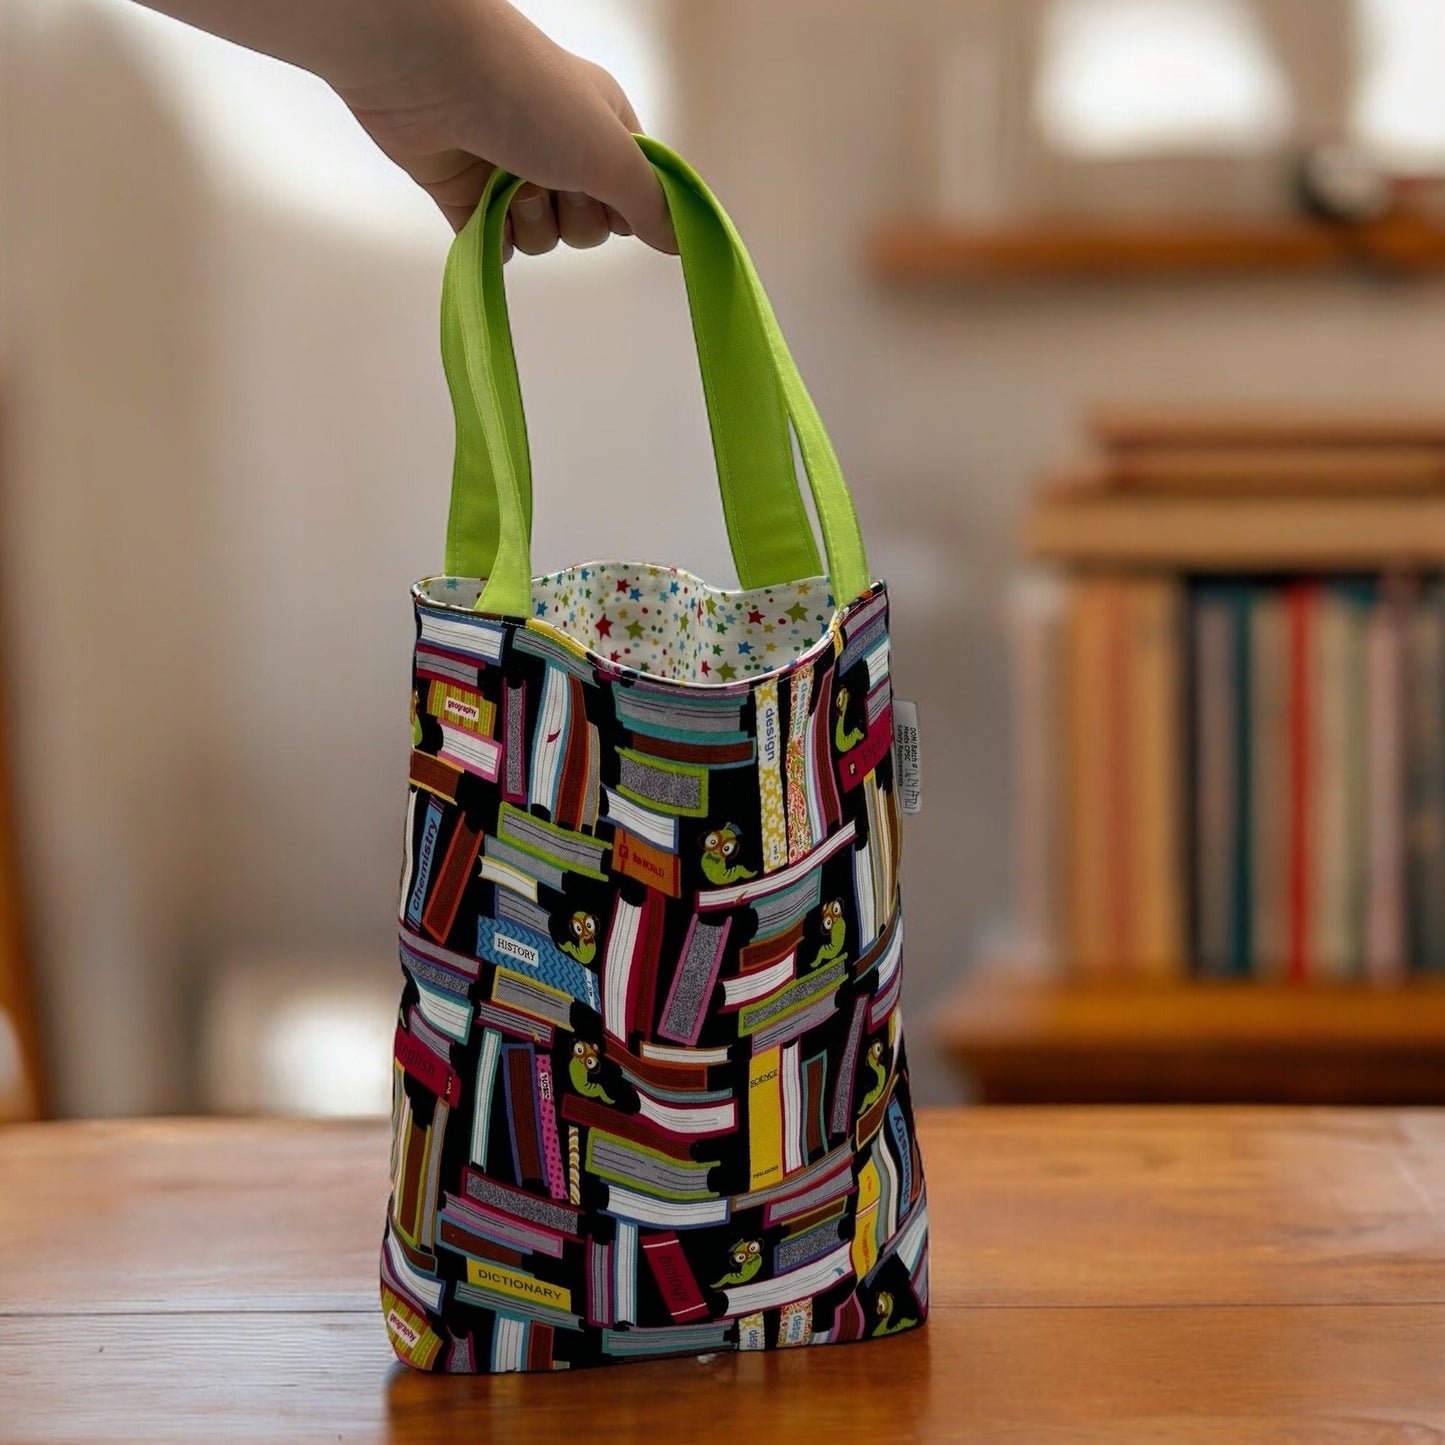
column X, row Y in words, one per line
column 165, row 1215
column 1271, row 1376
column 1103, row 527
column 1259, row 427
column 923, row 249
column 1091, row 1041
column 1119, row 1275
column 1227, row 471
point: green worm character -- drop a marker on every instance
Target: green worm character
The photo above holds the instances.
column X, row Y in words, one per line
column 846, row 739
column 887, row 1325
column 582, row 1066
column 746, row 1258
column 874, row 1062
column 719, row 846
column 837, row 932
column 583, row 943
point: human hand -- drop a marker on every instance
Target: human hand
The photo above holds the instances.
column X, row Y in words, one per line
column 452, row 89
column 494, row 90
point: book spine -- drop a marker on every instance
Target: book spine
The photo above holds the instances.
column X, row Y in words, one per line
column 800, row 828
column 823, row 791
column 572, row 788
column 551, row 1144
column 1088, row 794
column 791, row 1079
column 675, row 1280
column 520, row 1206
column 514, row 724
column 619, row 965
column 432, row 775
column 1215, row 792
column 411, row 1166
column 1301, row 603
column 461, row 748
column 1157, row 885
column 649, row 952
column 1360, row 601
column 430, row 830
column 815, row 1130
column 518, row 1072
column 1242, row 904
column 624, row 1273
column 770, row 782
column 639, row 859
column 1036, row 616
column 461, row 707
column 548, row 741
column 1385, row 724
column 431, row 1183
column 1116, row 759
column 859, row 762
column 1269, row 791
column 712, row 755
column 439, row 666
column 424, row 1065
column 539, row 1345
column 692, row 985
column 1331, row 887
column 669, row 787
column 599, row 1283
column 592, row 784
column 465, row 1241
column 1427, row 782
column 452, row 879
column 765, row 1118
column 635, row 1128
column 768, row 952
column 487, row 1058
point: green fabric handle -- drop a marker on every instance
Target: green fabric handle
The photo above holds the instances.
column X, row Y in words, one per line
column 750, row 381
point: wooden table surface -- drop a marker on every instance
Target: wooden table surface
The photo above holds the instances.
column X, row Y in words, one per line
column 1099, row 1275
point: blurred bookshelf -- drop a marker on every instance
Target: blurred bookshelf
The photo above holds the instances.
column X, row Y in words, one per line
column 1229, row 701
column 929, row 249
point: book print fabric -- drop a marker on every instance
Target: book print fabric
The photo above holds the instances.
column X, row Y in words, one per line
column 650, row 1091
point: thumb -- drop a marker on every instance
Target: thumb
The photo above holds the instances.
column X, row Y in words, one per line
column 628, row 185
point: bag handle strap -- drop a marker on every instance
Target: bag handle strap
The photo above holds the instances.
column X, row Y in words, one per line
column 750, row 380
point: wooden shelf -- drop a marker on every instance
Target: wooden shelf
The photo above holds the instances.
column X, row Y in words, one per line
column 1094, row 526
column 933, row 250
column 1021, row 1041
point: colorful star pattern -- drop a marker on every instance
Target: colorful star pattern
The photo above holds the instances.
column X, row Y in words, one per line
column 676, row 625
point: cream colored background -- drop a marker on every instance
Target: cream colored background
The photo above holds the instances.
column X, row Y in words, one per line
column 227, row 448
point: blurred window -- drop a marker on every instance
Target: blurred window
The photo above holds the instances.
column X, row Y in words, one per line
column 1145, row 77
column 1399, row 101
column 280, row 132
column 326, row 1055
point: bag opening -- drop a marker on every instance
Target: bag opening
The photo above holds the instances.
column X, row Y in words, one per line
column 667, row 622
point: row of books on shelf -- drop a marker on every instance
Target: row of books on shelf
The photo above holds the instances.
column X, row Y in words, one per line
column 1231, row 777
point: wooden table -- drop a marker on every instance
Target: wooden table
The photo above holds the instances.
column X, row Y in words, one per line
column 1108, row 1276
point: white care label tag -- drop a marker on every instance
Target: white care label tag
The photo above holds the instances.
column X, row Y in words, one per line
column 907, row 760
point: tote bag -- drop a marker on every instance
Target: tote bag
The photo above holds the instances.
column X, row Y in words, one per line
column 650, row 1094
